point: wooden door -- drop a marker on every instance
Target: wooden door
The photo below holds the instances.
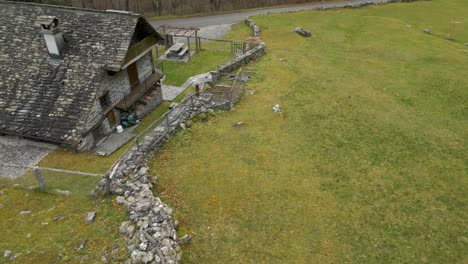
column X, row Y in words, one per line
column 111, row 118
column 133, row 75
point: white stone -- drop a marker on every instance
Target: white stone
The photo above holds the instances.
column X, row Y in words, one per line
column 90, row 217
column 120, row 199
column 148, row 258
column 143, row 245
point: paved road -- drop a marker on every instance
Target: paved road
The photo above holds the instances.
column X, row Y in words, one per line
column 232, row 18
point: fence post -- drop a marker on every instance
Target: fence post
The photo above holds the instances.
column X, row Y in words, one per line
column 167, row 122
column 39, row 178
column 243, row 48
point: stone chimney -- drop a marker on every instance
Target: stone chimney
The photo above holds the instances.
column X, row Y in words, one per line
column 52, row 35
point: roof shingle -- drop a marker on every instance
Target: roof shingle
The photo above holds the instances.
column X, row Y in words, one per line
column 50, row 98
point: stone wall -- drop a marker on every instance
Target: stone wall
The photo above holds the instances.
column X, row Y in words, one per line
column 249, row 56
column 151, row 231
column 145, row 66
column 117, row 86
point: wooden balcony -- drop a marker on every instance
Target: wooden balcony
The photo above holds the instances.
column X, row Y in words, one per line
column 138, row 91
column 138, row 50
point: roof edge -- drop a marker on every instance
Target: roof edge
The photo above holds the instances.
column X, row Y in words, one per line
column 71, row 8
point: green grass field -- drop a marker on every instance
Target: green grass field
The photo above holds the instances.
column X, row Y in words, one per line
column 212, row 55
column 56, row 227
column 367, row 163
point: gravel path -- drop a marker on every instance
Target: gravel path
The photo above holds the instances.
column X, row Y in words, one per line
column 18, row 151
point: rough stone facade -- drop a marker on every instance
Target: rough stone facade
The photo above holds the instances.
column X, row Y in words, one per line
column 145, row 66
column 116, row 87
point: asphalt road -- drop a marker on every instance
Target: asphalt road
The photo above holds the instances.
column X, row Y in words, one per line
column 227, row 19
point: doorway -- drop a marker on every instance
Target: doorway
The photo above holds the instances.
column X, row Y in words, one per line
column 133, row 75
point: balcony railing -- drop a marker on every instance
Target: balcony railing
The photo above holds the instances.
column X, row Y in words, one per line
column 140, row 48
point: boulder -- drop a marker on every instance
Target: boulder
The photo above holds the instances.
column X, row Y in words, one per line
column 124, row 227
column 302, row 32
column 89, row 217
column 148, row 258
column 185, row 240
column 276, row 108
column 120, row 199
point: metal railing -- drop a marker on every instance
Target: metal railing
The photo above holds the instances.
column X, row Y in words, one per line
column 60, row 181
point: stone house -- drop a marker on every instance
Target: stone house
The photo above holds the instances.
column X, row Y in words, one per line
column 68, row 75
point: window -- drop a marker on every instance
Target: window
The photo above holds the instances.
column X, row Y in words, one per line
column 105, row 100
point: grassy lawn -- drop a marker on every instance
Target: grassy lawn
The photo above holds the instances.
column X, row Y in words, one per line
column 43, row 243
column 177, row 73
column 213, row 54
column 67, row 159
column 41, row 237
column 367, row 163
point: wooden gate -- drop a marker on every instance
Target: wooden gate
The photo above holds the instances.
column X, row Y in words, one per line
column 238, row 48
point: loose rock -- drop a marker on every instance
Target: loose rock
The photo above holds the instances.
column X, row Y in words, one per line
column 302, row 32
column 120, row 199
column 173, row 105
column 82, row 245
column 59, row 218
column 276, row 108
column 25, row 212
column 185, row 240
column 427, row 31
column 90, row 217
column 238, row 124
column 7, row 253
column 148, row 258
column 62, row 192
column 15, row 256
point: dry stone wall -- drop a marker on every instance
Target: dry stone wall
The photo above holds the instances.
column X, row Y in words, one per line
column 151, row 230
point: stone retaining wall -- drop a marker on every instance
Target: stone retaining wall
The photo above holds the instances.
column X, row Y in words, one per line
column 151, row 230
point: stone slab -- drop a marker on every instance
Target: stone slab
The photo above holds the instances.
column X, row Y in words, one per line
column 114, row 141
column 171, row 92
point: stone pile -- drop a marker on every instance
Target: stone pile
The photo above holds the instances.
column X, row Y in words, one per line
column 151, row 230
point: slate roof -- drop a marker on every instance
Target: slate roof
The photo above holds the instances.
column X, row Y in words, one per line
column 50, row 98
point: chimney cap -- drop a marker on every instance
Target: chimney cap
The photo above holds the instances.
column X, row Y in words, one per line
column 47, row 22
